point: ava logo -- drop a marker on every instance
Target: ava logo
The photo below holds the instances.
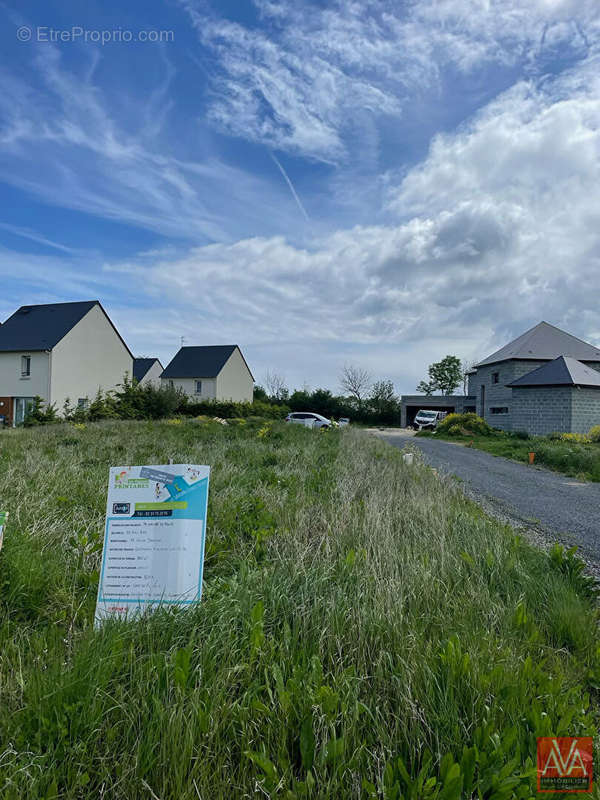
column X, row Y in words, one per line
column 565, row 764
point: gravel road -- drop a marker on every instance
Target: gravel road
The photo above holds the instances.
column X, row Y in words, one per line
column 559, row 508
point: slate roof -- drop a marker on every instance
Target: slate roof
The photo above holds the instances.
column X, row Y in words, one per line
column 563, row 371
column 141, row 367
column 544, row 342
column 41, row 327
column 199, row 362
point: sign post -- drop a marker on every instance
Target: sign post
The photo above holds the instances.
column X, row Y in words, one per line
column 154, row 538
column 3, row 520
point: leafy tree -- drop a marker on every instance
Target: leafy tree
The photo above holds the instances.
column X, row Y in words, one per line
column 260, row 393
column 382, row 398
column 426, row 387
column 444, row 375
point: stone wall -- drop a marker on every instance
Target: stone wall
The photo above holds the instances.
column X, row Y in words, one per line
column 585, row 409
column 541, row 410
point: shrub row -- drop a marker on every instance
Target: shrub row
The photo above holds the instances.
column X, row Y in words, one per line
column 132, row 401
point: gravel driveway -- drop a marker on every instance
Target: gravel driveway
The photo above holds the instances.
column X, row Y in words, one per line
column 559, row 507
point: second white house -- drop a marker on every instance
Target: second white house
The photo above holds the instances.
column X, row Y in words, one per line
column 211, row 372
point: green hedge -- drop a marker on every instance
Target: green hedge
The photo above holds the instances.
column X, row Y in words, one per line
column 216, row 408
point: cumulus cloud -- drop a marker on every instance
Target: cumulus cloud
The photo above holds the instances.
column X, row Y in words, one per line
column 496, row 229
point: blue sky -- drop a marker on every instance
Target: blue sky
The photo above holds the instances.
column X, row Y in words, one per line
column 371, row 182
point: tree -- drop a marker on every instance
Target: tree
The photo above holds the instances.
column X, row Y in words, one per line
column 356, row 381
column 426, row 387
column 260, row 393
column 275, row 385
column 444, row 375
column 383, row 402
column 466, row 366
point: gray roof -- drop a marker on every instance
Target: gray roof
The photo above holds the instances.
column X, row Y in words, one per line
column 41, row 327
column 200, row 362
column 544, row 342
column 563, row 371
column 141, row 367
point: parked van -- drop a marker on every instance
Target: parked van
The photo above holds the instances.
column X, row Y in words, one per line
column 428, row 420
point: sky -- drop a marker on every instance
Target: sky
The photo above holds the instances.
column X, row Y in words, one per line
column 376, row 183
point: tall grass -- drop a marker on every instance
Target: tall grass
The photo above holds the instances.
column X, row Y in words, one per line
column 363, row 628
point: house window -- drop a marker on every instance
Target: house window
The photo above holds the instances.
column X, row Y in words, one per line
column 495, row 377
column 198, row 387
column 25, row 366
column 82, row 402
column 171, row 385
column 499, row 410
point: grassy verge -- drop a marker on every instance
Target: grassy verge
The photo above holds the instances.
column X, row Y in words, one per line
column 578, row 459
column 365, row 631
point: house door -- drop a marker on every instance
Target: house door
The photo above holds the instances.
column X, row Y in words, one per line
column 482, row 401
column 22, row 406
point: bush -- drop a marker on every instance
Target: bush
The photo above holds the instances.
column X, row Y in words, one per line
column 38, row 415
column 454, row 430
column 216, row 408
column 520, row 435
column 466, row 423
column 594, row 434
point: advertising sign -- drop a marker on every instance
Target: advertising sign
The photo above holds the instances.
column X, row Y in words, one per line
column 153, row 551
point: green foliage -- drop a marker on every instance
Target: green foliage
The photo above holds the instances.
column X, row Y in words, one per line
column 364, row 629
column 573, row 567
column 464, row 423
column 568, row 453
column 39, row 413
column 594, row 434
column 444, row 376
column 227, row 410
column 426, row 387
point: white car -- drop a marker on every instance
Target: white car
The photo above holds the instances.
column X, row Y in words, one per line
column 309, row 419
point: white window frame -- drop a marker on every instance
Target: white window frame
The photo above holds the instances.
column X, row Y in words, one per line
column 197, row 386
column 25, row 366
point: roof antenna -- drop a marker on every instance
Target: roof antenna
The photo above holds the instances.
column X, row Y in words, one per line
column 182, row 340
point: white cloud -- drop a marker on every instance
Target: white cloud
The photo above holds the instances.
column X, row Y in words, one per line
column 497, row 229
column 70, row 143
column 305, row 83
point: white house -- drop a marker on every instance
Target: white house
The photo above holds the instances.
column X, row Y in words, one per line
column 58, row 351
column 147, row 370
column 215, row 372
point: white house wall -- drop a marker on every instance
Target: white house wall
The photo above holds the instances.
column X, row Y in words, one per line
column 153, row 375
column 11, row 382
column 234, row 382
column 188, row 385
column 89, row 357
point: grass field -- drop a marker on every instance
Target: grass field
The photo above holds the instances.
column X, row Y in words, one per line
column 578, row 459
column 365, row 631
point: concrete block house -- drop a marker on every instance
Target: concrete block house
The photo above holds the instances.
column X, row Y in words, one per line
column 545, row 380
column 211, row 372
column 58, row 351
